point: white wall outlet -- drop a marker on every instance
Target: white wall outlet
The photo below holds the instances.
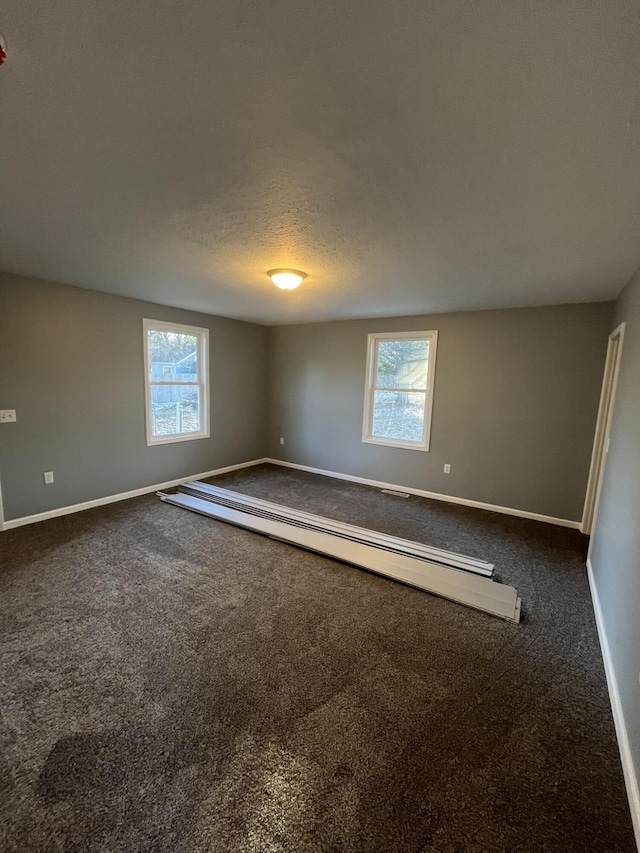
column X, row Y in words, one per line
column 447, row 468
column 281, row 440
column 48, row 477
column 7, row 416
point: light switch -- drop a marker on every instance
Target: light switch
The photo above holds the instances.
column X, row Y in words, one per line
column 7, row 416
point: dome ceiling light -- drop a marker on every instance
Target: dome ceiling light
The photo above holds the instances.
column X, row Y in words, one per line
column 287, row 279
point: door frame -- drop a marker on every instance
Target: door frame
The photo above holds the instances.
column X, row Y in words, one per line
column 603, row 429
column 1, row 509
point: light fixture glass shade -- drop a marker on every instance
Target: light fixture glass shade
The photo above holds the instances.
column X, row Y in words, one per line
column 286, row 279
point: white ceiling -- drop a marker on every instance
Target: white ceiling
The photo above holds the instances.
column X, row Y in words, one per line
column 411, row 156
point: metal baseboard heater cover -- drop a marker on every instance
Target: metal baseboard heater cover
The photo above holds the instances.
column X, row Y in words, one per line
column 464, row 580
column 278, row 512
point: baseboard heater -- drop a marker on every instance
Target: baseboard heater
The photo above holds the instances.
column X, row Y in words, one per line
column 463, row 579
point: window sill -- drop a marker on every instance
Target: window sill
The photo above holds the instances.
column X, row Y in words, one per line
column 172, row 439
column 400, row 445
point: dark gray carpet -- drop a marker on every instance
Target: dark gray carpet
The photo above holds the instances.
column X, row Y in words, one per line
column 170, row 683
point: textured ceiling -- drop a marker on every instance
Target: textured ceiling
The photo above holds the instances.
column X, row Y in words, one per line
column 411, row 157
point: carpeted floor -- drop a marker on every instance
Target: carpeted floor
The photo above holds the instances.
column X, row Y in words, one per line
column 170, row 683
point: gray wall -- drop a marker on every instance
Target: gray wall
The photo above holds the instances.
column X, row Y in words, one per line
column 514, row 411
column 516, row 398
column 615, row 556
column 71, row 364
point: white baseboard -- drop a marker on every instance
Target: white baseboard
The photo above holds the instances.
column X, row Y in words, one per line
column 505, row 510
column 66, row 510
column 123, row 496
column 628, row 769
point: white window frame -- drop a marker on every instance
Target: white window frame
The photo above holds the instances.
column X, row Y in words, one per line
column 202, row 383
column 370, row 387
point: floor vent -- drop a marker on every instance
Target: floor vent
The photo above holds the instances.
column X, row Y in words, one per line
column 395, row 494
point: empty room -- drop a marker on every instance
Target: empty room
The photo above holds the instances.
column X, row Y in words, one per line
column 320, row 427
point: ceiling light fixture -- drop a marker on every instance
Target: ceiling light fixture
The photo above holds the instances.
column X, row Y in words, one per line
column 287, row 279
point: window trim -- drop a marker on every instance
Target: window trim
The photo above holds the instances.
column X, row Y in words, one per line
column 372, row 344
column 202, row 348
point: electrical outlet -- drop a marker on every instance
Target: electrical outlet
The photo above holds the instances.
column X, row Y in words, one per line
column 48, row 477
column 7, row 416
column 447, row 468
column 281, row 440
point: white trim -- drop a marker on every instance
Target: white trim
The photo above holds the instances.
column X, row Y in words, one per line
column 370, row 388
column 628, row 769
column 43, row 516
column 504, row 510
column 201, row 335
column 1, row 509
column 123, row 496
column 603, row 426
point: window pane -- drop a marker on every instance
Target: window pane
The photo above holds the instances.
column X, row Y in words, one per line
column 398, row 415
column 172, row 357
column 402, row 364
column 174, row 410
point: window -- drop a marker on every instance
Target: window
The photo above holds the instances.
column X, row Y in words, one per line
column 399, row 390
column 176, row 382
